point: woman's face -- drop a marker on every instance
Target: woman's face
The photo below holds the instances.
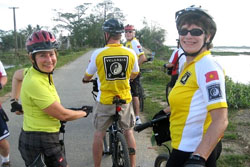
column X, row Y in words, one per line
column 192, row 41
column 46, row 60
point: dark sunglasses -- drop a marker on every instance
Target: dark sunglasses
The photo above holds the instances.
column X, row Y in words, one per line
column 193, row 32
column 128, row 31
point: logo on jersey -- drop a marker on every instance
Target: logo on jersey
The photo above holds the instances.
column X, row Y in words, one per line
column 211, row 76
column 214, row 92
column 185, row 78
column 115, row 67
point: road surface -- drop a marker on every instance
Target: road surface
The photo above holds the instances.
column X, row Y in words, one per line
column 79, row 133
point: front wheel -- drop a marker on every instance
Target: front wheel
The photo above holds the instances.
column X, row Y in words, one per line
column 161, row 160
column 120, row 154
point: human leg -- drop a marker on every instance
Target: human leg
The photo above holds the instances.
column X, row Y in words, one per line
column 4, row 144
column 135, row 84
column 131, row 145
column 98, row 147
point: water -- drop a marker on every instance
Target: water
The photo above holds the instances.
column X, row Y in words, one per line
column 236, row 67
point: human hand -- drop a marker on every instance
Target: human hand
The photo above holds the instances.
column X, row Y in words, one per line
column 16, row 107
column 195, row 161
column 87, row 109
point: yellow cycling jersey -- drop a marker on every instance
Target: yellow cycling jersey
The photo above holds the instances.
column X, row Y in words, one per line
column 199, row 89
column 136, row 46
column 114, row 64
column 37, row 94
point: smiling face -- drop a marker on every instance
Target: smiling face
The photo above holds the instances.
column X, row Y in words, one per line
column 129, row 34
column 46, row 60
column 191, row 43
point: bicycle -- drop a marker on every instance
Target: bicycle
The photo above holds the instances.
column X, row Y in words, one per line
column 114, row 142
column 39, row 160
column 160, row 134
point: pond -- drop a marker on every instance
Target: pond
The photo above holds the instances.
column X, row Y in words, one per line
column 236, row 67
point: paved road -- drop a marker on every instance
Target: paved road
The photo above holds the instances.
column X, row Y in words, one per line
column 79, row 133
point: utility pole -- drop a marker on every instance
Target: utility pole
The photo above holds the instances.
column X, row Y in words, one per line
column 15, row 33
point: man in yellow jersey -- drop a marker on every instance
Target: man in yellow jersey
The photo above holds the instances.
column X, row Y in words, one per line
column 41, row 108
column 114, row 66
column 198, row 103
column 134, row 44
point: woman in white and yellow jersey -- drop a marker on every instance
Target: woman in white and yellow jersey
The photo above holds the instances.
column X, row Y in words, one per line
column 198, row 100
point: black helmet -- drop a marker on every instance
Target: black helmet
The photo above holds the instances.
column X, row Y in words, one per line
column 41, row 40
column 207, row 22
column 113, row 26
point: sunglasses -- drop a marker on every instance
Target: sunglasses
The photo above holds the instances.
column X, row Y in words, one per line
column 193, row 32
column 128, row 31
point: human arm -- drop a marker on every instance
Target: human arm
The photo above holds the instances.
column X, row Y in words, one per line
column 86, row 78
column 142, row 59
column 214, row 132
column 57, row 111
column 15, row 92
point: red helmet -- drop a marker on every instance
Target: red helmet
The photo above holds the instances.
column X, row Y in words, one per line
column 129, row 27
column 41, row 41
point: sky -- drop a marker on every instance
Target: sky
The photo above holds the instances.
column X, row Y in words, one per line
column 231, row 17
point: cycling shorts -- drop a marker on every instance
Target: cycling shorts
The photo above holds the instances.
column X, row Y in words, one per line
column 179, row 158
column 31, row 144
column 4, row 131
column 103, row 116
column 135, row 86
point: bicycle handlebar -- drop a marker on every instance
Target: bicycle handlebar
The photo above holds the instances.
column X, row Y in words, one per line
column 84, row 108
column 148, row 124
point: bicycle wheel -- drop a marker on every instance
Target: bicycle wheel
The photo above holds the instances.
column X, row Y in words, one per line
column 161, row 160
column 141, row 98
column 168, row 89
column 120, row 154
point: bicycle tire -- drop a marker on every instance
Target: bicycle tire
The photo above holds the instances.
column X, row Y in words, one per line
column 120, row 154
column 167, row 92
column 161, row 160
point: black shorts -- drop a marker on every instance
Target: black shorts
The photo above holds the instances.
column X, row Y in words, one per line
column 31, row 144
column 178, row 158
column 4, row 131
column 135, row 86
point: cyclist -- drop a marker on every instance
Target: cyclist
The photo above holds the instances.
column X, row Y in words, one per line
column 198, row 100
column 41, row 108
column 175, row 65
column 134, row 44
column 4, row 131
column 115, row 65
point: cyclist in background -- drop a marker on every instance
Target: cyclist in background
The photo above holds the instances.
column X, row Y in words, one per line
column 115, row 66
column 134, row 44
column 4, row 131
column 41, row 108
column 175, row 65
column 198, row 100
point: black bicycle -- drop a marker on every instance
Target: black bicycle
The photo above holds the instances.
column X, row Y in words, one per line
column 161, row 135
column 114, row 142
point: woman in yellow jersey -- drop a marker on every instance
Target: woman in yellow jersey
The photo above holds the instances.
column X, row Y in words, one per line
column 198, row 101
column 41, row 108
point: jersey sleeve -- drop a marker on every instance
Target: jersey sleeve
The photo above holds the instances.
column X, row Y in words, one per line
column 136, row 68
column 211, row 80
column 91, row 69
column 2, row 70
column 172, row 56
column 137, row 47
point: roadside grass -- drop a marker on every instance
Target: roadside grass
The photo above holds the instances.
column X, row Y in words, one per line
column 154, row 81
column 63, row 58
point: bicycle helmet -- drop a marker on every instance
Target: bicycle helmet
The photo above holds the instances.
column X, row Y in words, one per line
column 113, row 26
column 129, row 27
column 197, row 15
column 41, row 41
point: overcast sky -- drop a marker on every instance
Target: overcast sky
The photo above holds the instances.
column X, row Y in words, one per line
column 232, row 17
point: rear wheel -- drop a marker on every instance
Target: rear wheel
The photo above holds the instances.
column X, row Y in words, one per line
column 120, row 154
column 168, row 89
column 161, row 160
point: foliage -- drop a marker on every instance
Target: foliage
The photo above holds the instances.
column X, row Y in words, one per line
column 237, row 94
